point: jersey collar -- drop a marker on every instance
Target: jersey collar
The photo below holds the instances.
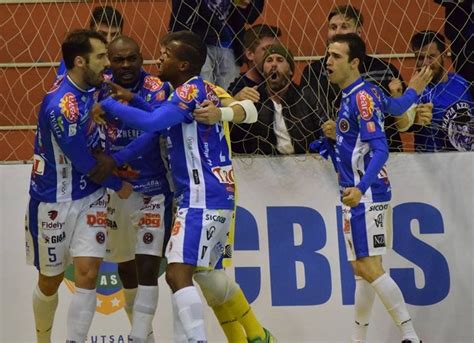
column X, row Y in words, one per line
column 352, row 87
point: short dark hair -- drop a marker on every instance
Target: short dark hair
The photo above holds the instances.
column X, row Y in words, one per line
column 349, row 12
column 77, row 43
column 354, row 42
column 192, row 49
column 106, row 15
column 422, row 38
column 254, row 34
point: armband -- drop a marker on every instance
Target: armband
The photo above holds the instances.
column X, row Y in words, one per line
column 227, row 113
column 411, row 112
column 251, row 113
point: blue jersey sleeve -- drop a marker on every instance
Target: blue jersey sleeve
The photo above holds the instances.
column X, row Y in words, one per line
column 61, row 70
column 73, row 142
column 371, row 117
column 379, row 149
column 398, row 106
column 138, row 102
column 161, row 118
column 140, row 146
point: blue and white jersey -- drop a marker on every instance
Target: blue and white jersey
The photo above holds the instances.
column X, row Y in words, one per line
column 452, row 126
column 360, row 120
column 65, row 138
column 199, row 154
column 147, row 173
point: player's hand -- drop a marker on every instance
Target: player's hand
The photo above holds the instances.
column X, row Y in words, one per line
column 208, row 113
column 248, row 93
column 118, row 92
column 396, row 87
column 103, row 169
column 420, row 80
column 424, row 114
column 329, row 129
column 125, row 191
column 351, row 196
column 98, row 114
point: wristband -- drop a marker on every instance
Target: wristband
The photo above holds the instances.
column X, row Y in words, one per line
column 227, row 113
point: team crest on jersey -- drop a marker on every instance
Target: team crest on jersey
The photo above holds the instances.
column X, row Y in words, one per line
column 110, row 297
column 152, row 83
column 366, row 105
column 344, row 125
column 69, row 107
column 187, row 92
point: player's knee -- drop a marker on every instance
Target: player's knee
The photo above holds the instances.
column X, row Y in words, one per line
column 148, row 267
column 216, row 286
column 179, row 275
column 127, row 272
column 49, row 285
column 85, row 275
column 368, row 268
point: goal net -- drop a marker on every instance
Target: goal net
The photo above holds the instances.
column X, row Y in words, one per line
column 32, row 32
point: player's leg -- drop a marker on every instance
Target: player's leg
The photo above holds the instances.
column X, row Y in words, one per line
column 88, row 247
column 121, row 241
column 152, row 222
column 47, row 238
column 371, row 231
column 231, row 307
column 196, row 241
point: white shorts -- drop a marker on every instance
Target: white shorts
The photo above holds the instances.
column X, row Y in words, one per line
column 57, row 232
column 137, row 225
column 199, row 236
column 367, row 229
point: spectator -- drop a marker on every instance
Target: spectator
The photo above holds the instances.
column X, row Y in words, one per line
column 315, row 83
column 461, row 37
column 220, row 23
column 106, row 20
column 256, row 40
column 287, row 121
column 452, row 126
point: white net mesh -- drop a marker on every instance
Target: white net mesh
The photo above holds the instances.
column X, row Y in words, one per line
column 31, row 35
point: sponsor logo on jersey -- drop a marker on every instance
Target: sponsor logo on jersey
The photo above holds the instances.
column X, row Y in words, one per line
column 51, row 226
column 215, row 218
column 379, row 241
column 176, row 228
column 379, row 219
column 53, row 215
column 370, row 126
column 210, row 232
column 378, row 207
column 148, row 238
column 160, row 96
column 100, row 237
column 97, row 220
column 69, row 107
column 344, row 125
column 55, row 238
column 152, row 83
column 366, row 105
column 211, row 95
column 224, row 174
column 101, row 202
column 38, row 165
column 150, row 220
column 347, row 226
column 187, row 92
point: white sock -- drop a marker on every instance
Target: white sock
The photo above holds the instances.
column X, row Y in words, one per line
column 80, row 314
column 364, row 300
column 44, row 308
column 190, row 312
column 144, row 310
column 129, row 295
column 179, row 333
column 392, row 298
